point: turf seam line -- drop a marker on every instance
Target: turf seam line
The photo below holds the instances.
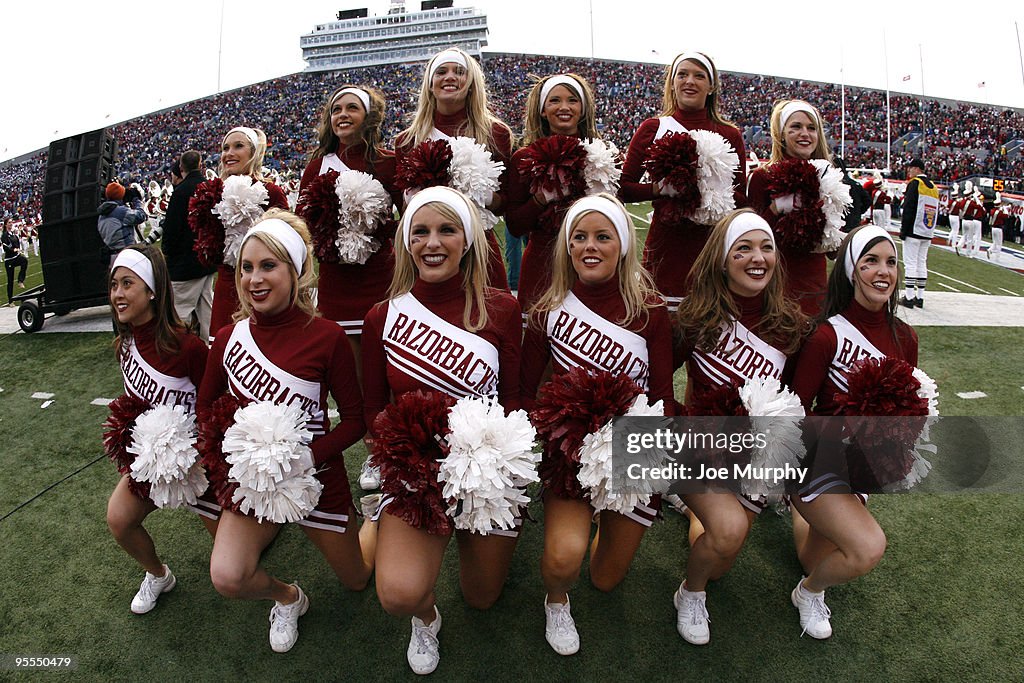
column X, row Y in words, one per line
column 53, row 485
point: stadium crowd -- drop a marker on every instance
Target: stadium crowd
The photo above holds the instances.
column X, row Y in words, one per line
column 960, row 141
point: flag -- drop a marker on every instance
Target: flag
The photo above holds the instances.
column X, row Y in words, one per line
column 982, row 84
column 907, row 77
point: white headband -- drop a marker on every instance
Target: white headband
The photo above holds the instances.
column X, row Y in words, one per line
column 741, row 225
column 363, row 96
column 247, row 132
column 446, row 56
column 697, row 57
column 456, row 201
column 606, row 208
column 135, row 261
column 792, row 108
column 567, row 81
column 286, row 235
column 859, row 241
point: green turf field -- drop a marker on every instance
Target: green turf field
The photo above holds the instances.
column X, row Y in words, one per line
column 944, row 604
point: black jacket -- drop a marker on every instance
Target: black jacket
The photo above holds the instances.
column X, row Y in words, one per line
column 178, row 238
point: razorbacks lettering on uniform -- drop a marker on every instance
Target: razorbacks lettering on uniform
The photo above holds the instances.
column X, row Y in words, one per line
column 851, row 346
column 739, row 355
column 146, row 382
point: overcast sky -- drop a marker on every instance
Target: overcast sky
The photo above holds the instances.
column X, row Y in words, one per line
column 69, row 67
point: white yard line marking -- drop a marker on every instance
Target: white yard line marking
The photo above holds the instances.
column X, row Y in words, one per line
column 1009, row 292
column 101, row 401
column 640, row 218
column 46, row 404
column 952, row 289
column 971, row 394
column 42, row 395
column 959, row 282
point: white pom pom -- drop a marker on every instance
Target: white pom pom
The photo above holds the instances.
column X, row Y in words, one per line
column 490, row 461
column 774, row 413
column 717, row 164
column 597, row 473
column 165, row 456
column 836, row 201
column 475, row 174
column 269, row 458
column 363, row 205
column 601, row 172
column 242, row 203
column 928, row 390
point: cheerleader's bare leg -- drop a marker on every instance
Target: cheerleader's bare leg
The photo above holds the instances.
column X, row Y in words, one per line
column 484, row 562
column 235, row 562
column 566, row 537
column 125, row 514
column 843, row 542
column 726, row 525
column 613, row 548
column 408, row 564
column 343, row 552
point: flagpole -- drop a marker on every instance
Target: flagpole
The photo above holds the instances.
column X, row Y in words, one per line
column 842, row 118
column 924, row 128
column 220, row 43
column 1019, row 55
column 888, row 112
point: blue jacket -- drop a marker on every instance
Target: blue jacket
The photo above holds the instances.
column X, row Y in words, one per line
column 117, row 223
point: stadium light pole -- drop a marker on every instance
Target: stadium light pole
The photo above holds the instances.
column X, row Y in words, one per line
column 924, row 129
column 220, row 43
column 1019, row 55
column 842, row 107
column 591, row 3
column 888, row 111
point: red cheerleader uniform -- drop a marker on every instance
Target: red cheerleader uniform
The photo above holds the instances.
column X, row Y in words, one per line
column 524, row 216
column 225, row 297
column 169, row 380
column 293, row 359
column 583, row 332
column 418, row 342
column 830, row 351
column 346, row 291
column 671, row 249
column 806, row 277
column 739, row 356
column 454, row 125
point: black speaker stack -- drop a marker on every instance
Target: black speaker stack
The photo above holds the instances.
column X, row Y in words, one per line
column 77, row 171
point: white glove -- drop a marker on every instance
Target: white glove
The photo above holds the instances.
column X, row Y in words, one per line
column 785, row 204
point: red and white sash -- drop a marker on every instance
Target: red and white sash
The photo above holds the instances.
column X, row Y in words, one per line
column 739, row 355
column 146, row 382
column 579, row 337
column 851, row 346
column 333, row 162
column 668, row 124
column 255, row 377
column 433, row 351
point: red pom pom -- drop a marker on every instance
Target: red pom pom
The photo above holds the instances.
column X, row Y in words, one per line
column 802, row 228
column 318, row 206
column 426, row 165
column 124, row 411
column 568, row 408
column 205, row 225
column 673, row 160
column 211, row 436
column 407, row 448
column 881, row 450
column 554, row 167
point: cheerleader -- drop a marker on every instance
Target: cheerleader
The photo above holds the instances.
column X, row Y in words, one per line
column 690, row 102
column 350, row 140
column 162, row 365
column 278, row 351
column 735, row 310
column 439, row 291
column 242, row 152
column 597, row 281
column 453, row 103
column 557, row 105
column 837, row 538
column 797, row 133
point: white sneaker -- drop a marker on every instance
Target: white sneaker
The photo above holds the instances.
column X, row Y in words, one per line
column 424, row 653
column 560, row 629
column 369, row 476
column 284, row 622
column 676, row 502
column 151, row 589
column 814, row 613
column 368, row 505
column 692, row 616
